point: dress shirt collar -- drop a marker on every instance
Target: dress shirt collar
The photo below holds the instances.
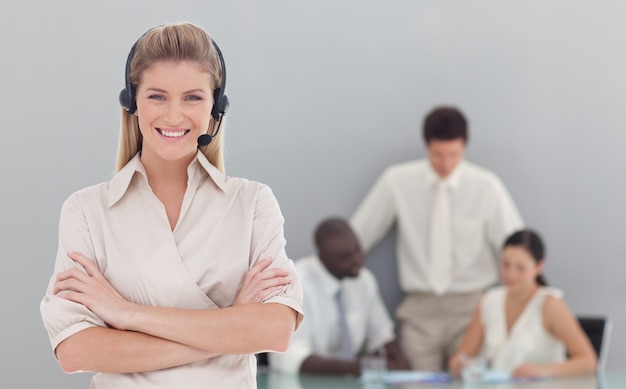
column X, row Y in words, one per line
column 329, row 283
column 197, row 169
column 453, row 179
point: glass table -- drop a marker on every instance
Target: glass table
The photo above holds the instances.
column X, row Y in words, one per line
column 274, row 380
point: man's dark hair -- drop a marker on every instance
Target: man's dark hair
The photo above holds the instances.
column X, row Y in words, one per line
column 445, row 123
column 330, row 227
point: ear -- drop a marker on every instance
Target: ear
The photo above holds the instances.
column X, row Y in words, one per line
column 540, row 265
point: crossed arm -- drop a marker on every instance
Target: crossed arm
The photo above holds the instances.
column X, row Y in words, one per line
column 144, row 338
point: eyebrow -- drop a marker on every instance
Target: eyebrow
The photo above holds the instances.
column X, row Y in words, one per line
column 185, row 93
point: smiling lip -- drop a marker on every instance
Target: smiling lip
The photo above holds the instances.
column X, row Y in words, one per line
column 172, row 133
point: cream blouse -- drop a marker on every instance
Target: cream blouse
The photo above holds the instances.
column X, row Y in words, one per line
column 225, row 226
column 528, row 341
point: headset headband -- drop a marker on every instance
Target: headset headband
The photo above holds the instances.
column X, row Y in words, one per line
column 220, row 100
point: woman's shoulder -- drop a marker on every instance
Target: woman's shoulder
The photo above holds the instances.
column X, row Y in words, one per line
column 93, row 192
column 552, row 298
column 227, row 183
column 245, row 186
column 553, row 307
column 549, row 294
column 242, row 181
column 495, row 292
column 554, row 310
column 492, row 298
column 86, row 200
column 250, row 193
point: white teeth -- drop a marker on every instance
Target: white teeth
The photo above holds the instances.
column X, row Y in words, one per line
column 172, row 134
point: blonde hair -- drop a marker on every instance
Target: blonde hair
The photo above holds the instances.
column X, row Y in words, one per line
column 182, row 41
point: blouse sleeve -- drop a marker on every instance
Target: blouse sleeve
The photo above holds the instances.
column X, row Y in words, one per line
column 300, row 348
column 63, row 318
column 268, row 240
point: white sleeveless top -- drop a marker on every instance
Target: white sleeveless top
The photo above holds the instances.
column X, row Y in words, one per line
column 528, row 341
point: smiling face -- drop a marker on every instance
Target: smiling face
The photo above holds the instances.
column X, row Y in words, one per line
column 174, row 101
column 518, row 269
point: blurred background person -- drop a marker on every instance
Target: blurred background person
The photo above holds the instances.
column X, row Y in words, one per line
column 524, row 326
column 452, row 217
column 345, row 314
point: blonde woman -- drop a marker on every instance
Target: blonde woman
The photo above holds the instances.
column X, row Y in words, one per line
column 171, row 274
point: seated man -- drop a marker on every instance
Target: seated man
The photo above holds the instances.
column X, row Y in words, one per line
column 338, row 330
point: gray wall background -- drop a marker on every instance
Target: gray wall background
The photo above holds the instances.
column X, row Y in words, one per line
column 326, row 94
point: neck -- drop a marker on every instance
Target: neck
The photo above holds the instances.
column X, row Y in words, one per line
column 160, row 171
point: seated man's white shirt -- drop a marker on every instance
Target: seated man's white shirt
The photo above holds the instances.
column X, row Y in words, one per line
column 368, row 320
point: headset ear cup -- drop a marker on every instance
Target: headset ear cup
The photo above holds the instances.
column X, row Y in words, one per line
column 220, row 105
column 124, row 99
column 216, row 111
column 127, row 95
column 127, row 101
column 225, row 103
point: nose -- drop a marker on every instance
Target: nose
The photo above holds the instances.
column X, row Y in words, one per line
column 448, row 164
column 174, row 114
column 507, row 273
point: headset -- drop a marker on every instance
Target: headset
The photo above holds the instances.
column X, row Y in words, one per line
column 220, row 100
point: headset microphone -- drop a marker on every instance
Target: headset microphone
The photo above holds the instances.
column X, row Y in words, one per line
column 220, row 102
column 205, row 139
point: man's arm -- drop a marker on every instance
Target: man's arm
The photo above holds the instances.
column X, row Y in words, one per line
column 320, row 365
column 375, row 215
column 396, row 360
column 506, row 218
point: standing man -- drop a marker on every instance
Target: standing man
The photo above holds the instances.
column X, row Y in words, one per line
column 345, row 314
column 452, row 218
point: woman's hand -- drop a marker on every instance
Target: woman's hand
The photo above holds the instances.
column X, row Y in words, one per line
column 530, row 371
column 92, row 290
column 455, row 364
column 260, row 282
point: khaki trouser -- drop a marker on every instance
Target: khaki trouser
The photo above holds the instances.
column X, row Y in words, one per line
column 432, row 327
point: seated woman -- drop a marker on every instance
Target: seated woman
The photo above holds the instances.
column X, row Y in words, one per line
column 524, row 326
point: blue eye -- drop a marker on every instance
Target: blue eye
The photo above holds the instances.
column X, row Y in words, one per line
column 157, row 97
column 193, row 98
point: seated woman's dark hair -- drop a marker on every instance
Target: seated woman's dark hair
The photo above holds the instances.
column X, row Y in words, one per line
column 532, row 242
